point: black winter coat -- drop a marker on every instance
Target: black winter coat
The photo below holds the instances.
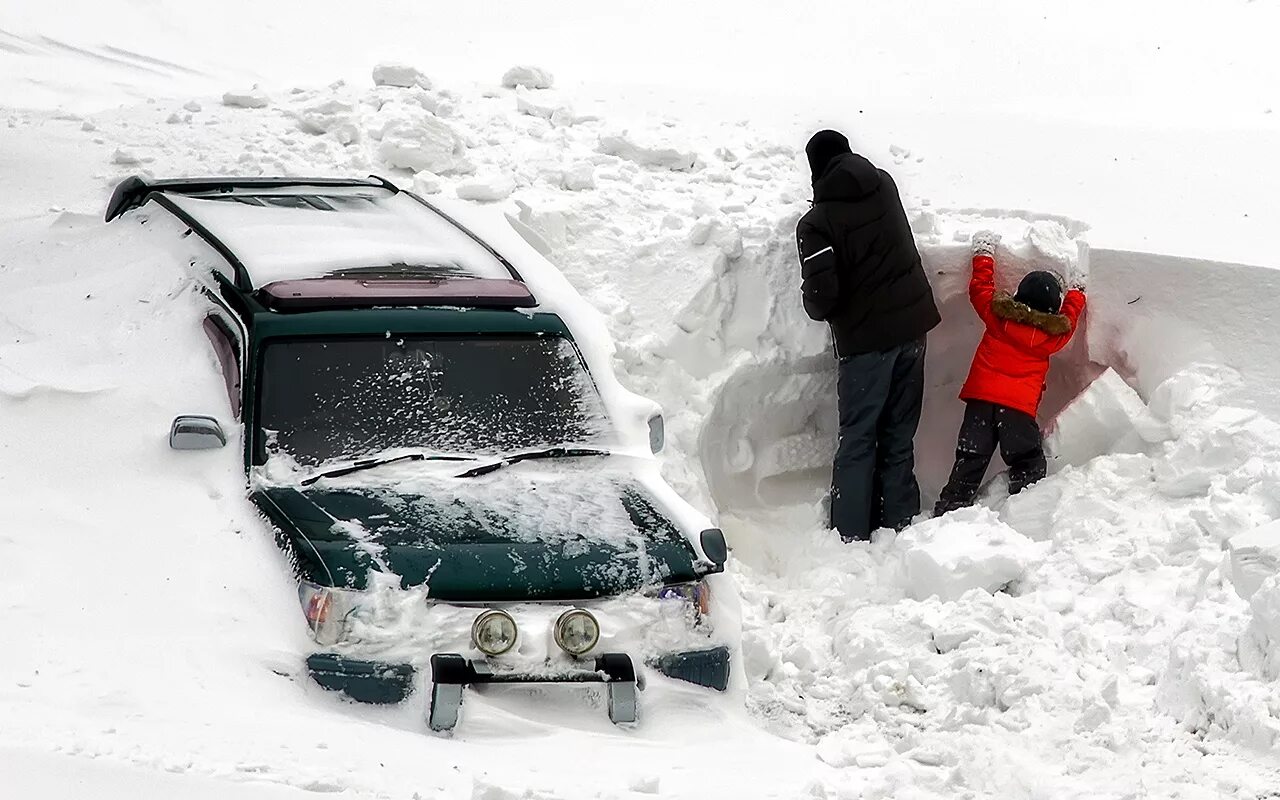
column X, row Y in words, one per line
column 858, row 260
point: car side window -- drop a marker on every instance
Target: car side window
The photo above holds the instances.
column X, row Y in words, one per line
column 228, row 352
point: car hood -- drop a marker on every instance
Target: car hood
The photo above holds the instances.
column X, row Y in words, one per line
column 512, row 535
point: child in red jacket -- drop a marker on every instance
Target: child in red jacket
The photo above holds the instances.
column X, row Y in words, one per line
column 1007, row 378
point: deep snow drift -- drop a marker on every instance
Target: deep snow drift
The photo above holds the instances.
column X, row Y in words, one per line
column 1103, row 635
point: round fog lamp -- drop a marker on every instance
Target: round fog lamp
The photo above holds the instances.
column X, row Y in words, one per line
column 577, row 631
column 494, row 632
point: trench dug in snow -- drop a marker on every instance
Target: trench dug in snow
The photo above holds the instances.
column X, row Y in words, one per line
column 769, row 438
column 771, row 429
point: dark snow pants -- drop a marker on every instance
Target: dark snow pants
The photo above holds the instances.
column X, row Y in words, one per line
column 986, row 425
column 873, row 481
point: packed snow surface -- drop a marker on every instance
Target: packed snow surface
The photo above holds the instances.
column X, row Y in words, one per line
column 1112, row 632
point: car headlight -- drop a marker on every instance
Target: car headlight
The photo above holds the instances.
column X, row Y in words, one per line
column 577, row 631
column 494, row 632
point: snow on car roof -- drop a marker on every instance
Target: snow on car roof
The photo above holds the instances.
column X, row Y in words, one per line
column 296, row 232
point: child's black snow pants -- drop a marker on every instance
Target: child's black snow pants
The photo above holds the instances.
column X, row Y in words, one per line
column 986, row 425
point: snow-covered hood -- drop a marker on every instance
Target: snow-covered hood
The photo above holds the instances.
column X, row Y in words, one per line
column 512, row 535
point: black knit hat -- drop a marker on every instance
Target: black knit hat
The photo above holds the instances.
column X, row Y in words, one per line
column 1040, row 290
column 824, row 146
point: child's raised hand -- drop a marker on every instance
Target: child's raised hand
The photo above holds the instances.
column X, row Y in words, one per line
column 984, row 243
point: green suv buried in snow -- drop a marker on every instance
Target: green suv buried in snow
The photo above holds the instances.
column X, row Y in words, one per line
column 458, row 497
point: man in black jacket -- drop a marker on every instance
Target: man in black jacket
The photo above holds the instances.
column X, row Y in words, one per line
column 862, row 276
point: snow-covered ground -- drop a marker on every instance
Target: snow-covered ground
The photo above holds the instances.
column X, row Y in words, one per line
column 1102, row 635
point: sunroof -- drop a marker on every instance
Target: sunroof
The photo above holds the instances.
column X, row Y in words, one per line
column 311, row 231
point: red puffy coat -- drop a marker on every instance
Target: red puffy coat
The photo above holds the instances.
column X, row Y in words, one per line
column 1012, row 360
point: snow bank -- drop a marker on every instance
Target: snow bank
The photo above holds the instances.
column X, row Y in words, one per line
column 1152, row 315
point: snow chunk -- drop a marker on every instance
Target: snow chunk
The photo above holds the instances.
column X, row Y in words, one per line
column 251, row 98
column 1255, row 557
column 1107, row 417
column 966, row 549
column 1050, row 240
column 335, row 116
column 487, row 188
column 647, row 784
column 529, row 77
column 580, row 176
column 1265, row 625
column 842, row 750
column 426, row 182
column 544, row 105
column 401, row 75
column 414, row 138
column 729, row 240
column 650, row 154
column 700, row 233
column 192, row 106
column 125, row 158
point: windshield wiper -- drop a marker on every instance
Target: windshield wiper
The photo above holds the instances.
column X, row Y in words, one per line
column 369, row 463
column 531, row 455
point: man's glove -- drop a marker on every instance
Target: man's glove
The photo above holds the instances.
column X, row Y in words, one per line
column 984, row 243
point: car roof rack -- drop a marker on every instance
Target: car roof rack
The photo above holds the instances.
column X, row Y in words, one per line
column 136, row 191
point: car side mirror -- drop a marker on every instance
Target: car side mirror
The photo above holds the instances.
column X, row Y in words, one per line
column 193, row 432
column 657, row 434
column 715, row 547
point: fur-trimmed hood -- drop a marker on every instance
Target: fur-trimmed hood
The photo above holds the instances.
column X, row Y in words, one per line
column 1005, row 307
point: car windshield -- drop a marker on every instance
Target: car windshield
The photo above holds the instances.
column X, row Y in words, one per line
column 322, row 400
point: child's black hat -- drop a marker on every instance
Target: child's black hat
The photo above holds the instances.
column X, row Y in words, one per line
column 1040, row 290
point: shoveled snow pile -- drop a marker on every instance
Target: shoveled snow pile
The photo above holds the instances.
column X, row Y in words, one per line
column 1083, row 639
column 1119, row 643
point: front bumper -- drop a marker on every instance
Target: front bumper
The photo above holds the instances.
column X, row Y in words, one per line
column 451, row 673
